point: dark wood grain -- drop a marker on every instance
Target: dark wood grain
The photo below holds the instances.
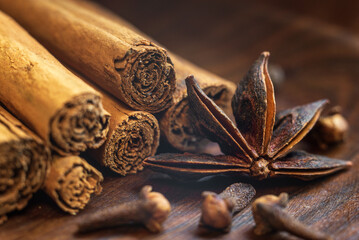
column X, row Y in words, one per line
column 225, row 37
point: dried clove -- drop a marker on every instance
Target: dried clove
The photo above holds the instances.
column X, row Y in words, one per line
column 331, row 129
column 151, row 209
column 217, row 209
column 269, row 216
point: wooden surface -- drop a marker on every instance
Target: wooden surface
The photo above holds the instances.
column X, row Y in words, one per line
column 319, row 61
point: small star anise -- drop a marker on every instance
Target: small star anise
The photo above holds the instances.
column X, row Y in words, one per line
column 257, row 146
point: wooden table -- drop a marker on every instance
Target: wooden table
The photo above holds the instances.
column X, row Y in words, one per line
column 225, row 37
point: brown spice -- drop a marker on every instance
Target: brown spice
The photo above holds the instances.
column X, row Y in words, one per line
column 70, row 182
column 124, row 63
column 132, row 137
column 151, row 209
column 269, row 216
column 217, row 210
column 258, row 145
column 177, row 123
column 60, row 108
column 24, row 160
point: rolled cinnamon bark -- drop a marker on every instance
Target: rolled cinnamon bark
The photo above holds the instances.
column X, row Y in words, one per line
column 176, row 123
column 71, row 181
column 133, row 136
column 23, row 164
column 133, row 69
column 44, row 95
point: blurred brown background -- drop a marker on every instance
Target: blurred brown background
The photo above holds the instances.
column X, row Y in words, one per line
column 342, row 14
column 338, row 13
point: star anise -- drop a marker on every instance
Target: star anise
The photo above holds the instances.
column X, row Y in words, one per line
column 259, row 143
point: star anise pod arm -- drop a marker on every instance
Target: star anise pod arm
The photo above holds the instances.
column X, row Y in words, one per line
column 253, row 105
column 216, row 125
column 306, row 166
column 259, row 143
column 292, row 126
column 189, row 166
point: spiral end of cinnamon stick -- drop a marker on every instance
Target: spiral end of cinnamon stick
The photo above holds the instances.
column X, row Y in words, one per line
column 71, row 181
column 148, row 78
column 179, row 128
column 133, row 140
column 82, row 123
column 23, row 165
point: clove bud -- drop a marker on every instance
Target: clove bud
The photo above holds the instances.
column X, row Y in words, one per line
column 269, row 216
column 217, row 209
column 151, row 209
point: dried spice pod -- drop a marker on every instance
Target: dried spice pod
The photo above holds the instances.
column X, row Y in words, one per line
column 133, row 136
column 217, row 210
column 23, row 164
column 124, row 63
column 258, row 145
column 177, row 124
column 269, row 215
column 71, row 181
column 44, row 95
column 151, row 209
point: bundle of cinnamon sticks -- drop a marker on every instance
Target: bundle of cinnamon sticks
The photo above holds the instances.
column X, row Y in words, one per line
column 115, row 70
column 59, row 108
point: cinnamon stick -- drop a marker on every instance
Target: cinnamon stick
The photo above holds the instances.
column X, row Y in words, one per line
column 133, row 136
column 44, row 95
column 176, row 124
column 23, row 164
column 71, row 181
column 124, row 63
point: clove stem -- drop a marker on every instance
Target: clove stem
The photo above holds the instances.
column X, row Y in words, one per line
column 269, row 216
column 151, row 209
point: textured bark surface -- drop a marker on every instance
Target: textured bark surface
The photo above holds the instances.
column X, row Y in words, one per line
column 176, row 123
column 133, row 136
column 43, row 94
column 71, row 181
column 119, row 60
column 23, row 164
